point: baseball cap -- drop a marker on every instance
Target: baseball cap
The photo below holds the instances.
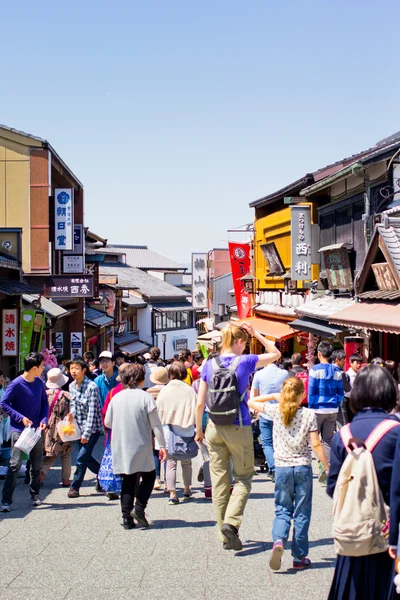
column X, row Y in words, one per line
column 106, row 354
column 147, row 356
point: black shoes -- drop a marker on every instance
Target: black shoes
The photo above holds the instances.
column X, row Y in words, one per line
column 231, row 534
column 98, row 487
column 227, row 546
column 200, row 476
column 128, row 523
column 73, row 493
column 139, row 515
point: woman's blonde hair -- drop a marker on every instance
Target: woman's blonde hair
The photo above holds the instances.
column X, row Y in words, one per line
column 232, row 333
column 292, row 394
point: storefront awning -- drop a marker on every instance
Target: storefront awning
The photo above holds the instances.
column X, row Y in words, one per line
column 378, row 316
column 16, row 288
column 96, row 318
column 273, row 330
column 173, row 306
column 135, row 348
column 123, row 339
column 317, row 327
column 134, row 301
column 46, row 305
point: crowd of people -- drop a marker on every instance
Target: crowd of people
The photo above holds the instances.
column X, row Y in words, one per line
column 156, row 415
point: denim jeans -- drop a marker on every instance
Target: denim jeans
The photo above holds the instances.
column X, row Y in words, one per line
column 16, row 456
column 293, row 496
column 266, row 429
column 85, row 460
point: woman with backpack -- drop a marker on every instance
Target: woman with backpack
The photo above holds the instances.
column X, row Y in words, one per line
column 294, row 427
column 176, row 404
column 224, row 385
column 363, row 565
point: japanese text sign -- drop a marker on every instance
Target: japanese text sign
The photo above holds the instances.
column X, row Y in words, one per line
column 10, row 332
column 64, row 226
column 64, row 286
column 199, row 280
column 31, row 333
column 301, row 242
column 240, row 263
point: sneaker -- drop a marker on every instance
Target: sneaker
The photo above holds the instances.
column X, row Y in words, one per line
column 227, row 546
column 35, row 500
column 188, row 494
column 172, row 501
column 276, row 556
column 157, row 485
column 5, row 507
column 98, row 487
column 112, row 496
column 166, row 490
column 231, row 534
column 200, row 475
column 139, row 514
column 271, row 476
column 73, row 493
column 304, row 563
column 128, row 523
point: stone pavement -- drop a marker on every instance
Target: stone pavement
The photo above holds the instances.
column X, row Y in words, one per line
column 77, row 549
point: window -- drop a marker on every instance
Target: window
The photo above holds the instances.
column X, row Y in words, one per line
column 181, row 319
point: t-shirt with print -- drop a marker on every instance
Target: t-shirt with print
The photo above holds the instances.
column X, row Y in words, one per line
column 292, row 444
column 245, row 368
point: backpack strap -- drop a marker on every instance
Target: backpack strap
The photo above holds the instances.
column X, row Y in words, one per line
column 346, row 435
column 379, row 432
column 215, row 364
column 234, row 364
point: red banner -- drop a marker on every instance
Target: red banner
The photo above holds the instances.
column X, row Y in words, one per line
column 240, row 264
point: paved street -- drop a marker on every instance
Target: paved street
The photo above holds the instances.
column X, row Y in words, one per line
column 77, row 549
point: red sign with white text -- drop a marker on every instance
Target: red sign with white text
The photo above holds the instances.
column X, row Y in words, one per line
column 240, row 264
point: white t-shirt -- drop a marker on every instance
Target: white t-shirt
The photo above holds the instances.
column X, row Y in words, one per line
column 291, row 444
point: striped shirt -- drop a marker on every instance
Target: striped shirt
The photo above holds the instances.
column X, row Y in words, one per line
column 85, row 406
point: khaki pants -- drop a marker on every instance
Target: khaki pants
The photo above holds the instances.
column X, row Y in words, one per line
column 228, row 443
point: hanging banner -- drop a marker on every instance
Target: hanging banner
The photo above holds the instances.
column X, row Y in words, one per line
column 241, row 265
column 199, row 280
column 32, row 325
column 10, row 332
column 63, row 207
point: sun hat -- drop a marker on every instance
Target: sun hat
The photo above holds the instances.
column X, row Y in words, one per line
column 55, row 379
column 159, row 376
column 106, row 354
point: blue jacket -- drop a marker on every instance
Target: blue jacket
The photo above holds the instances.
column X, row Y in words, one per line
column 325, row 387
column 105, row 385
column 383, row 454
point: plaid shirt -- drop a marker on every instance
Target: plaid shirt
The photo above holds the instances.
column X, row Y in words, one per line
column 85, row 406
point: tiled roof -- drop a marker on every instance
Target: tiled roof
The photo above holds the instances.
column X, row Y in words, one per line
column 323, row 307
column 391, row 237
column 97, row 318
column 10, row 287
column 144, row 258
column 379, row 295
column 148, row 286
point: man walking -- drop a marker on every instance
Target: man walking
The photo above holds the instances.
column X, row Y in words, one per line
column 85, row 407
column 345, row 415
column 108, row 379
column 268, row 380
column 325, row 395
column 25, row 402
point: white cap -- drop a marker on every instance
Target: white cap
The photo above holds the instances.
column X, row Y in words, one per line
column 106, row 354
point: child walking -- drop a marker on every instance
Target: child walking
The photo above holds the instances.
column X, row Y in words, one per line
column 294, row 427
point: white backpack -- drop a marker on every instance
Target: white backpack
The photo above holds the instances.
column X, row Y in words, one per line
column 360, row 516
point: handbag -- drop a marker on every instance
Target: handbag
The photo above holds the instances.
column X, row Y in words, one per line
column 181, row 447
column 107, row 479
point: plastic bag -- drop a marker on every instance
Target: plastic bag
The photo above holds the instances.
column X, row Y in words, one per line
column 6, row 429
column 28, row 439
column 69, row 431
column 204, row 451
column 108, row 481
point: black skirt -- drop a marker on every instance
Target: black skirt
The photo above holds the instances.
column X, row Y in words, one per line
column 363, row 578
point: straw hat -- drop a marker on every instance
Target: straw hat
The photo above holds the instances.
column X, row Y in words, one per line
column 55, row 379
column 159, row 376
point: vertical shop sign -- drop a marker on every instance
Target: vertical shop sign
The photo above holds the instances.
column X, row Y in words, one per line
column 64, row 221
column 76, row 344
column 199, row 280
column 31, row 332
column 240, row 264
column 10, row 332
column 301, row 242
column 59, row 342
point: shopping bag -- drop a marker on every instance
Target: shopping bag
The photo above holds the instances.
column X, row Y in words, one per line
column 28, row 439
column 108, row 481
column 6, row 429
column 68, row 431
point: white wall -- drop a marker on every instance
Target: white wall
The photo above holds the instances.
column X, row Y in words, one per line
column 189, row 334
column 144, row 324
column 174, row 278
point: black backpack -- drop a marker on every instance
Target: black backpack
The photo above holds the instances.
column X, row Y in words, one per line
column 223, row 398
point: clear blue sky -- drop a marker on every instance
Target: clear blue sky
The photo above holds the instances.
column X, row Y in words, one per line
column 175, row 114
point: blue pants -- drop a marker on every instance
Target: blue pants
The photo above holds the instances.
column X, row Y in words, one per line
column 293, row 496
column 85, row 461
column 266, row 428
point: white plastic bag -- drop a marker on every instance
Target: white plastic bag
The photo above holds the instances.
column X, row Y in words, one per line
column 6, row 429
column 28, row 439
column 68, row 431
column 204, row 451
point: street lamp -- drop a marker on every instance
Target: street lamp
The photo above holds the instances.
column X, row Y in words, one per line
column 164, row 341
column 249, row 282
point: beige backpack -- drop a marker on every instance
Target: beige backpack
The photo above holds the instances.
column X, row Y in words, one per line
column 360, row 516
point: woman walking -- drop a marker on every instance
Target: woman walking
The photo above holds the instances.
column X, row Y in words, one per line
column 159, row 379
column 374, row 394
column 58, row 410
column 176, row 405
column 294, row 427
column 132, row 416
column 233, row 442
